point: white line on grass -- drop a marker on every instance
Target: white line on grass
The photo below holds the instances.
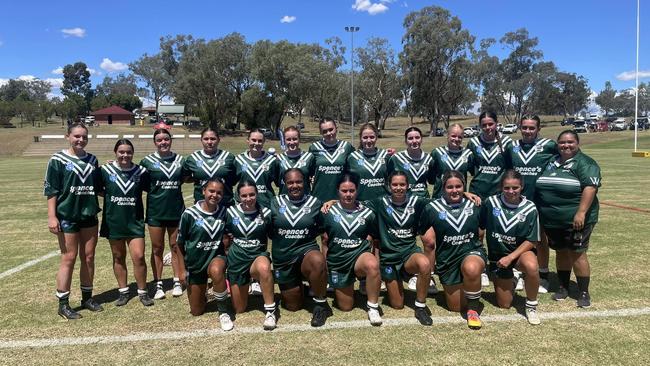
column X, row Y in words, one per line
column 29, row 264
column 290, row 328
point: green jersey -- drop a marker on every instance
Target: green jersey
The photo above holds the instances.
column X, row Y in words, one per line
column 164, row 195
column 123, row 211
column 456, row 228
column 489, row 164
column 508, row 226
column 330, row 164
column 200, row 235
column 305, row 161
column 419, row 172
column 559, row 189
column 445, row 160
column 74, row 182
column 372, row 172
column 249, row 233
column 295, row 227
column 347, row 233
column 262, row 172
column 202, row 167
column 398, row 226
column 530, row 160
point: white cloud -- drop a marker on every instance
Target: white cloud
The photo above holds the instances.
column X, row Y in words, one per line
column 93, row 71
column 370, row 7
column 56, row 83
column 73, row 32
column 288, row 19
column 58, row 71
column 3, row 81
column 631, row 75
column 111, row 66
column 26, row 77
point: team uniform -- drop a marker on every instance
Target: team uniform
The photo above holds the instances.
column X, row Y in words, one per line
column 397, row 229
column 507, row 227
column 200, row 235
column 347, row 233
column 419, row 172
column 165, row 203
column 123, row 211
column 372, row 172
column 530, row 160
column 295, row 226
column 489, row 165
column 305, row 162
column 203, row 167
column 329, row 165
column 249, row 240
column 456, row 228
column 445, row 160
column 74, row 182
column 262, row 172
column 558, row 192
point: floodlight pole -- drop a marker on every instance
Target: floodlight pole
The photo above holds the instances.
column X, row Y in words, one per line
column 636, row 94
column 351, row 30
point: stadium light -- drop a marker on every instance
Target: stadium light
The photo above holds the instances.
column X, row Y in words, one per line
column 352, row 30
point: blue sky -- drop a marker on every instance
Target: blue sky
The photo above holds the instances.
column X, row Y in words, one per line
column 595, row 39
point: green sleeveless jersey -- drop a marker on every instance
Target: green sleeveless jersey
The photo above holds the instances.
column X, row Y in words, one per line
column 200, row 235
column 347, row 233
column 507, row 226
column 164, row 195
column 456, row 228
column 295, row 227
column 398, row 226
column 330, row 164
column 530, row 160
column 249, row 233
column 558, row 190
column 372, row 172
column 74, row 182
column 445, row 160
column 263, row 172
column 419, row 172
column 202, row 167
column 306, row 162
column 123, row 212
column 489, row 165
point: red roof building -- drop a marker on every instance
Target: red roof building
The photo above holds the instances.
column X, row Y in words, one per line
column 113, row 115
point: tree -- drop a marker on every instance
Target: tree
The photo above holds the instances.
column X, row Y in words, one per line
column 151, row 71
column 120, row 84
column 574, row 92
column 76, row 82
column 606, row 98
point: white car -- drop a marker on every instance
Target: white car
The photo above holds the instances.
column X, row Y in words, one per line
column 89, row 120
column 509, row 128
column 469, row 132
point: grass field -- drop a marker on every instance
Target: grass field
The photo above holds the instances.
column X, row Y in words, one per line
column 618, row 255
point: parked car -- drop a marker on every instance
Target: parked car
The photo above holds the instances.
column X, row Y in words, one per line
column 618, row 125
column 440, row 131
column 300, row 126
column 579, row 127
column 89, row 120
column 509, row 128
column 568, row 121
column 643, row 123
column 469, row 132
column 499, row 127
column 266, row 132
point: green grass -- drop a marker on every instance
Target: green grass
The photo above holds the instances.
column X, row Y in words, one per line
column 618, row 255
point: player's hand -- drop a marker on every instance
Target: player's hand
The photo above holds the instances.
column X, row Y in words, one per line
column 504, row 262
column 579, row 221
column 182, row 279
column 391, row 151
column 326, row 206
column 53, row 225
column 473, row 197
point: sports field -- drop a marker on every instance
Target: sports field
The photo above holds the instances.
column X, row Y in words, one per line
column 615, row 330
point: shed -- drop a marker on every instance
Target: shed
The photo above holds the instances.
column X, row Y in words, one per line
column 113, row 115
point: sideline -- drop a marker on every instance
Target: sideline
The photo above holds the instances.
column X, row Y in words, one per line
column 629, row 208
column 290, row 328
column 29, row 264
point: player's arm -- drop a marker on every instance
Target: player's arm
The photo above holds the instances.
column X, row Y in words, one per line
column 506, row 261
column 586, row 199
column 324, row 244
column 52, row 220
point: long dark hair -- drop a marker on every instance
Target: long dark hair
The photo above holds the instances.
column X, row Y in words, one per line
column 490, row 114
column 161, row 131
column 248, row 183
column 123, row 142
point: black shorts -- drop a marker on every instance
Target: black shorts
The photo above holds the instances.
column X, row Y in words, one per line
column 289, row 275
column 162, row 223
column 567, row 238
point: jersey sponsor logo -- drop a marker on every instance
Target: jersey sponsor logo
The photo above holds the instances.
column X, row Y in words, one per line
column 527, row 156
column 417, row 170
column 211, row 227
column 334, row 155
column 372, row 167
column 456, row 222
column 131, row 181
column 449, row 160
column 350, row 225
column 80, row 168
column 520, row 214
column 249, row 168
column 293, row 216
column 409, row 210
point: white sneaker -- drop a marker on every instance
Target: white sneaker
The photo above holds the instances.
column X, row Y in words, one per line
column 374, row 317
column 362, row 287
column 543, row 286
column 160, row 294
column 226, row 322
column 177, row 290
column 485, row 281
column 413, row 281
column 255, row 289
column 520, row 284
column 531, row 315
column 432, row 287
column 269, row 321
column 167, row 259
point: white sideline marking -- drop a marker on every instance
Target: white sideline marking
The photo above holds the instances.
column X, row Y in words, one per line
column 29, row 264
column 289, row 328
column 52, row 137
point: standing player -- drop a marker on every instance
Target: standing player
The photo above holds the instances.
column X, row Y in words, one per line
column 415, row 163
column 258, row 166
column 512, row 232
column 530, row 156
column 210, row 163
column 347, row 247
column 369, row 164
column 330, row 154
column 201, row 244
column 164, row 206
column 453, row 156
column 296, row 222
column 72, row 207
column 294, row 157
column 248, row 223
column 122, row 183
